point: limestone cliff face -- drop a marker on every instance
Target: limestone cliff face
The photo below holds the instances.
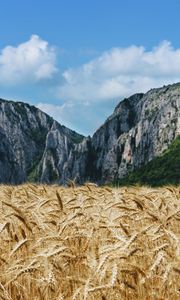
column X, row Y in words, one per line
column 24, row 130
column 35, row 147
column 140, row 128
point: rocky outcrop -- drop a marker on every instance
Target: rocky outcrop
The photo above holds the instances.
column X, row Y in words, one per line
column 140, row 128
column 24, row 130
column 35, row 147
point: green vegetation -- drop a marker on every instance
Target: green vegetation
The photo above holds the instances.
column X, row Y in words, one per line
column 150, row 113
column 33, row 171
column 77, row 138
column 33, row 174
column 52, row 172
column 162, row 170
column 38, row 135
column 74, row 136
column 21, row 109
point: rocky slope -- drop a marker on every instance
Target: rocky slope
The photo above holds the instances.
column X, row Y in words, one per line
column 23, row 133
column 35, row 147
column 140, row 128
column 164, row 169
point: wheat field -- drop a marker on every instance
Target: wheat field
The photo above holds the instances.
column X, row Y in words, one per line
column 89, row 242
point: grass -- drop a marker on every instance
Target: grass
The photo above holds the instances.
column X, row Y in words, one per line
column 162, row 170
column 89, row 242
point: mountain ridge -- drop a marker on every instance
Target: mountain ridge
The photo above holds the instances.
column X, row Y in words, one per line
column 140, row 128
column 23, row 131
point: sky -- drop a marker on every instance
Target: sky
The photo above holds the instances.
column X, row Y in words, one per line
column 77, row 59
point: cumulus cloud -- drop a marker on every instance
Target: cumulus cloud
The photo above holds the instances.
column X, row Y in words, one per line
column 87, row 94
column 120, row 72
column 31, row 61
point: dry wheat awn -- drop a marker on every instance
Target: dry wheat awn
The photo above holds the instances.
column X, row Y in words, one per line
column 77, row 243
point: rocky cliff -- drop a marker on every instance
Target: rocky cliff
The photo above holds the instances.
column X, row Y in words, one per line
column 35, row 147
column 140, row 128
column 23, row 133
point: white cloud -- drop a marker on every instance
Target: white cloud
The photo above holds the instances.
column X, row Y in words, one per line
column 121, row 72
column 31, row 61
column 90, row 92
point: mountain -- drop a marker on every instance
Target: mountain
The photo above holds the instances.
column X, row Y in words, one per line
column 23, row 133
column 34, row 147
column 140, row 128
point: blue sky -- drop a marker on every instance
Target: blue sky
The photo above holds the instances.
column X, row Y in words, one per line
column 76, row 59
